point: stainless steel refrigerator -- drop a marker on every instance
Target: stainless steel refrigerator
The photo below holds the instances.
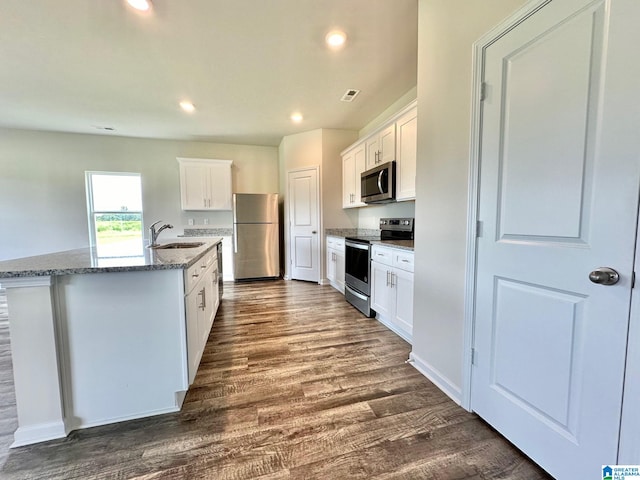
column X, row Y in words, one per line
column 256, row 249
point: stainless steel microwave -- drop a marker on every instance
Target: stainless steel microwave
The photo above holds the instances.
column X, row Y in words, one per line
column 378, row 185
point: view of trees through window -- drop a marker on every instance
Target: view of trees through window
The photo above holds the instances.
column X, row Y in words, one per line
column 115, row 213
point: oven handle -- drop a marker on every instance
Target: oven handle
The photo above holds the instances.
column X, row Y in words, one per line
column 357, row 294
column 361, row 246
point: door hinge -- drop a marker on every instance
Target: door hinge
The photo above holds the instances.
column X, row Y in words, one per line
column 633, row 279
column 483, row 91
column 479, row 228
column 474, row 356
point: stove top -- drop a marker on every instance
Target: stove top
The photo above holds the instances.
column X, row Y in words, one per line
column 390, row 229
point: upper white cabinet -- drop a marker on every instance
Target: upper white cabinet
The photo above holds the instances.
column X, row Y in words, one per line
column 353, row 164
column 406, row 154
column 396, row 140
column 381, row 146
column 205, row 184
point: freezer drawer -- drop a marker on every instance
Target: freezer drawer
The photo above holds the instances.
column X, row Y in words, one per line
column 256, row 251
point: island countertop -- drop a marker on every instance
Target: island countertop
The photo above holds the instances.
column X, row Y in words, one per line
column 86, row 260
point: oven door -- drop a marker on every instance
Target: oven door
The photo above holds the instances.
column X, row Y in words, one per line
column 357, row 266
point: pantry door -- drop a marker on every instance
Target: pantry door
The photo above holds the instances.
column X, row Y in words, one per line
column 304, row 224
column 558, row 199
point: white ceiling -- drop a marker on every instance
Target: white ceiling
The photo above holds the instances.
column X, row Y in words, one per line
column 72, row 65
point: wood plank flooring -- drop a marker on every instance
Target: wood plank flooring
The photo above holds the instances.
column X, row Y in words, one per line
column 294, row 384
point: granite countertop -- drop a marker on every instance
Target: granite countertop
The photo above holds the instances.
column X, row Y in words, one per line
column 400, row 244
column 86, row 260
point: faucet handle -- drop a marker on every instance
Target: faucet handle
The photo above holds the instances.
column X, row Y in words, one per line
column 155, row 223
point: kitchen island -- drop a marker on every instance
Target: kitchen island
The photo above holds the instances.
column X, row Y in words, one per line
column 102, row 340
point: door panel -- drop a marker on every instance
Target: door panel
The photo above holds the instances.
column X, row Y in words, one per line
column 558, row 198
column 255, row 208
column 541, row 196
column 304, row 224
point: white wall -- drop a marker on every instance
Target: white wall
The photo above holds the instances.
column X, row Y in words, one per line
column 391, row 110
column 42, row 190
column 446, row 32
column 317, row 148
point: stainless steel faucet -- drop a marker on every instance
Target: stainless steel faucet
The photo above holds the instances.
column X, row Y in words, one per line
column 153, row 233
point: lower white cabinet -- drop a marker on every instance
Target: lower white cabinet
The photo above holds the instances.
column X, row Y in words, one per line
column 201, row 304
column 335, row 262
column 392, row 288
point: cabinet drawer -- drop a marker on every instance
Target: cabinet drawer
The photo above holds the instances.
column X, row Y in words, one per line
column 382, row 255
column 337, row 243
column 403, row 260
column 198, row 269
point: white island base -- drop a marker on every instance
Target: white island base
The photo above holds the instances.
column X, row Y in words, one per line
column 93, row 349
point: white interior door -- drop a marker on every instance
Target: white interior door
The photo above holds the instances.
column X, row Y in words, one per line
column 558, row 199
column 304, row 220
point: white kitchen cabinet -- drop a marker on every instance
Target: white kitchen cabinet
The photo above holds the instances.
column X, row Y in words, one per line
column 201, row 305
column 205, row 184
column 392, row 289
column 406, row 155
column 353, row 164
column 336, row 262
column 381, row 146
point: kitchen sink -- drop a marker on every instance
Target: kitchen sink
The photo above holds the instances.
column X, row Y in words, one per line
column 178, row 245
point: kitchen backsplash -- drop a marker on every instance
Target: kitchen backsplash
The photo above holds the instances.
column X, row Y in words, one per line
column 207, row 232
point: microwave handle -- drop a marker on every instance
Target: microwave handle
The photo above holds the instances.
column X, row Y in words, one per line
column 380, row 181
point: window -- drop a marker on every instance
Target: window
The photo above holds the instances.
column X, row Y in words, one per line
column 114, row 205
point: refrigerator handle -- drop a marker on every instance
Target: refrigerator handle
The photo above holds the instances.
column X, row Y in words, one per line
column 235, row 238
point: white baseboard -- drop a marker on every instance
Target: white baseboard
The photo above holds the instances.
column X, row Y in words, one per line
column 452, row 391
column 324, row 281
column 38, row 433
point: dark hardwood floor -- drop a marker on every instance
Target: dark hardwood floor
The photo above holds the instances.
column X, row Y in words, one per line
column 294, row 384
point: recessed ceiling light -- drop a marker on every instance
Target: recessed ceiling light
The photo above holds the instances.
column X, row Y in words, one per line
column 296, row 117
column 142, row 5
column 336, row 38
column 187, row 106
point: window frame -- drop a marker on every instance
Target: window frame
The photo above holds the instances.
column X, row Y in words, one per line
column 88, row 174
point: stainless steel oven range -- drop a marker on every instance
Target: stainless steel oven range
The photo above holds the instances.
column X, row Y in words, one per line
column 357, row 289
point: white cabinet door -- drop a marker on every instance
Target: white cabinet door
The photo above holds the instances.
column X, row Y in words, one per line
column 339, row 269
column 331, row 265
column 406, row 154
column 194, row 352
column 403, row 292
column 353, row 164
column 371, row 148
column 348, row 179
column 387, row 144
column 194, row 186
column 220, row 186
column 381, row 294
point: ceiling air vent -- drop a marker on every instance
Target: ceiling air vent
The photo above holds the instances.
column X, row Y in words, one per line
column 350, row 95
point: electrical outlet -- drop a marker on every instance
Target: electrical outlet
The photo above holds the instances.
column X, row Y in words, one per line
column 206, row 221
column 191, row 221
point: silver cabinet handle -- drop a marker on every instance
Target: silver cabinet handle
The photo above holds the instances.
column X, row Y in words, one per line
column 204, row 303
column 392, row 283
column 388, row 278
column 314, row 232
column 195, row 275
